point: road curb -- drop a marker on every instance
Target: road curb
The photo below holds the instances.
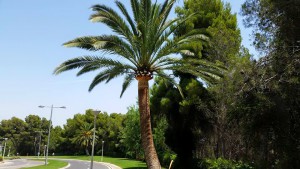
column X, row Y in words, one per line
column 65, row 166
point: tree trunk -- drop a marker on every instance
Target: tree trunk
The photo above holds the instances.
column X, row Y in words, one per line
column 87, row 151
column 145, row 120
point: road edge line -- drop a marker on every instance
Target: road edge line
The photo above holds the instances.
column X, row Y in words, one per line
column 66, row 166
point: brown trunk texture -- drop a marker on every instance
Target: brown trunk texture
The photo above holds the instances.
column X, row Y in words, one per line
column 145, row 120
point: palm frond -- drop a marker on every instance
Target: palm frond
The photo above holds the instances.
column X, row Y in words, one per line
column 135, row 9
column 180, row 44
column 166, row 77
column 205, row 70
column 112, row 19
column 111, row 44
column 127, row 16
column 73, row 64
column 102, row 62
column 91, row 43
column 127, row 81
column 144, row 42
column 106, row 75
column 165, row 10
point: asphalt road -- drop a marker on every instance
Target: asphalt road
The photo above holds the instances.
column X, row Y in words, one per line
column 78, row 164
column 19, row 163
column 73, row 164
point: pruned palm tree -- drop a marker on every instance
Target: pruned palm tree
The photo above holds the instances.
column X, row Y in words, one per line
column 84, row 137
column 142, row 46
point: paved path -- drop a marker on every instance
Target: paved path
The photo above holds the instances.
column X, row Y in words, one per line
column 73, row 164
column 19, row 163
column 83, row 164
column 80, row 164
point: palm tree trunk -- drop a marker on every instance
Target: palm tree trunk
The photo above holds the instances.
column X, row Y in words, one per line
column 145, row 120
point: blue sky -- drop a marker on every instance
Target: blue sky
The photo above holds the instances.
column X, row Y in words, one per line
column 31, row 37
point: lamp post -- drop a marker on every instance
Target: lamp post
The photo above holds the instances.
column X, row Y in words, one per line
column 48, row 142
column 4, row 148
column 102, row 150
column 96, row 112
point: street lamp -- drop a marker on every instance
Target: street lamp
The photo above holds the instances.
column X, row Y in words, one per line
column 4, row 147
column 102, row 150
column 96, row 112
column 48, row 142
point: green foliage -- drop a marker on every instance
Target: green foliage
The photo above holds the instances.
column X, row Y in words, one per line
column 216, row 19
column 221, row 163
column 273, row 21
column 165, row 154
column 23, row 135
column 131, row 137
column 107, row 130
column 194, row 118
column 188, row 118
column 273, row 84
column 144, row 41
column 84, row 137
column 66, row 140
column 145, row 46
column 56, row 139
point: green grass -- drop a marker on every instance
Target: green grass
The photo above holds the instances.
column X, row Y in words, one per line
column 124, row 163
column 52, row 164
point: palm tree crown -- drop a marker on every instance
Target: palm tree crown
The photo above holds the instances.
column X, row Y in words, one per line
column 144, row 44
column 84, row 137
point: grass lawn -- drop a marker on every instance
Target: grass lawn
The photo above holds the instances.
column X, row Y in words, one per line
column 52, row 164
column 121, row 162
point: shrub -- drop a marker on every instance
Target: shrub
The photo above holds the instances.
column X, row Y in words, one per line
column 221, row 163
column 1, row 158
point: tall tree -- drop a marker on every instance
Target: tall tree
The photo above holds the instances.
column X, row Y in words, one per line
column 15, row 130
column 275, row 81
column 143, row 44
column 34, row 124
column 190, row 118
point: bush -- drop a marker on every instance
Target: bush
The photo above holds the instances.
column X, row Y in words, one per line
column 166, row 158
column 221, row 163
column 1, row 158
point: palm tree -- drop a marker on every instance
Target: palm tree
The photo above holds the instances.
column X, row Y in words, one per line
column 84, row 137
column 142, row 46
